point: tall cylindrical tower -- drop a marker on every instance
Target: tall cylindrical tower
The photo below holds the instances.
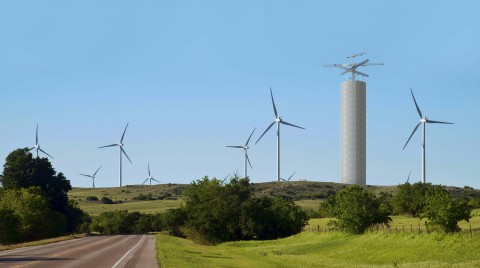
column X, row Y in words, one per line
column 353, row 123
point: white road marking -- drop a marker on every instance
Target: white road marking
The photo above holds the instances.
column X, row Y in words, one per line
column 121, row 259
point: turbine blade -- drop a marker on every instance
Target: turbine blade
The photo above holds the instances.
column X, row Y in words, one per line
column 246, row 144
column 265, row 131
column 360, row 73
column 149, row 169
column 234, row 146
column 45, row 153
column 273, row 102
column 286, row 123
column 360, row 63
column 111, row 145
column 36, row 136
column 123, row 151
column 121, row 140
column 31, row 148
column 226, row 177
column 291, row 176
column 86, row 175
column 416, row 105
column 346, row 71
column 409, row 176
column 97, row 171
column 155, row 180
column 438, row 122
column 413, row 132
column 145, row 181
column 248, row 160
column 373, row 63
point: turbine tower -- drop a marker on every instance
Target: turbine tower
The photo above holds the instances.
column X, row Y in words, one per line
column 37, row 146
column 353, row 116
column 120, row 145
column 245, row 149
column 423, row 121
column 149, row 177
column 278, row 121
column 92, row 176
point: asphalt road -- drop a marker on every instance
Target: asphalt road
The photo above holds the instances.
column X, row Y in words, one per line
column 92, row 252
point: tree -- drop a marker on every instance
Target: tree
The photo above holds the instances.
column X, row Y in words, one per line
column 410, row 198
column 444, row 212
column 21, row 170
column 355, row 209
column 9, row 226
column 216, row 212
column 36, row 219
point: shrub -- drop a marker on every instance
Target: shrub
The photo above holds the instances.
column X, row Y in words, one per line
column 91, row 198
column 355, row 209
column 444, row 212
column 106, row 200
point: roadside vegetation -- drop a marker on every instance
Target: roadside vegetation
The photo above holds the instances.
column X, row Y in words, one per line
column 334, row 249
column 33, row 201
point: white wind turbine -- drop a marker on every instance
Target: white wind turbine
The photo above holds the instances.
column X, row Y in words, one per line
column 149, row 177
column 423, row 120
column 92, row 176
column 120, row 145
column 245, row 149
column 37, row 145
column 278, row 121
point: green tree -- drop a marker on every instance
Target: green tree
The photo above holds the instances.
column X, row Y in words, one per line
column 36, row 219
column 355, row 209
column 22, row 171
column 410, row 199
column 9, row 226
column 444, row 212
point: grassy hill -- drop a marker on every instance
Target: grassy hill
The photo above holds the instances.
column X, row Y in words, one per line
column 326, row 250
column 307, row 194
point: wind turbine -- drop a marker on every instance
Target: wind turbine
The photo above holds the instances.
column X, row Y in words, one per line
column 120, row 145
column 92, row 176
column 149, row 177
column 245, row 149
column 285, row 180
column 423, row 120
column 278, row 121
column 37, row 145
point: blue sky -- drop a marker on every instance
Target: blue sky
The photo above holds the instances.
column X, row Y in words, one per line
column 194, row 76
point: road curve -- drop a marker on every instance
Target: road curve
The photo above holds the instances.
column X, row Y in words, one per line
column 116, row 251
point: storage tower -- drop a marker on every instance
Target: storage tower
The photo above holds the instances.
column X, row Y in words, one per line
column 353, row 123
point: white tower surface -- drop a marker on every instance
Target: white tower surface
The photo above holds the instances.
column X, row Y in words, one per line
column 353, row 124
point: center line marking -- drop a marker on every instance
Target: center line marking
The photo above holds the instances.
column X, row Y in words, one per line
column 118, row 262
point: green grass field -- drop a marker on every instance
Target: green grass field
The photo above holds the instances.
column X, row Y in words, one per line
column 326, row 250
column 126, row 195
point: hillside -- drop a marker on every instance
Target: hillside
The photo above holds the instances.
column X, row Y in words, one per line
column 307, row 194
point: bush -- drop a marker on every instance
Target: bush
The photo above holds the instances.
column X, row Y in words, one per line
column 216, row 212
column 91, row 198
column 444, row 212
column 144, row 197
column 355, row 210
column 106, row 200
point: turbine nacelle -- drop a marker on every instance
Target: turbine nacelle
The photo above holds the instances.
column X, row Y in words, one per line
column 423, row 120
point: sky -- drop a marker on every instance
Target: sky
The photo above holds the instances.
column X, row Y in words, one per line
column 191, row 77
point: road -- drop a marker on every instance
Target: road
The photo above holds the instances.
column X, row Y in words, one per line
column 115, row 251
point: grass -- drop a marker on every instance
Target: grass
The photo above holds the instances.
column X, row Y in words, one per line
column 326, row 250
column 126, row 195
column 40, row 242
